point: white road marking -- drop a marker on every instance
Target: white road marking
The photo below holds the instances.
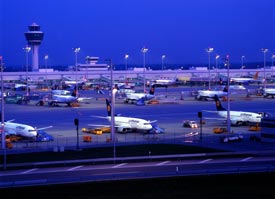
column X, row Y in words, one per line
column 28, row 171
column 204, row 161
column 162, row 163
column 246, row 159
column 119, row 165
column 74, row 168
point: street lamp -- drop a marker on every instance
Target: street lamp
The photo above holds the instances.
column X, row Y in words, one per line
column 242, row 58
column 144, row 50
column 113, row 94
column 2, row 115
column 162, row 58
column 227, row 65
column 76, row 50
column 209, row 50
column 27, row 50
column 46, row 57
column 216, row 59
column 264, row 50
column 272, row 57
column 126, row 58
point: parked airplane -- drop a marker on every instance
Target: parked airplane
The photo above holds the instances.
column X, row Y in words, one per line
column 62, row 97
column 126, row 124
column 135, row 97
column 269, row 92
column 164, row 82
column 239, row 117
column 22, row 130
column 206, row 94
column 68, row 81
column 246, row 80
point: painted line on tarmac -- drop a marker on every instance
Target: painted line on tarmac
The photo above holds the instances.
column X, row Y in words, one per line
column 28, row 171
column 204, row 161
column 119, row 165
column 74, row 168
column 162, row 163
column 246, row 159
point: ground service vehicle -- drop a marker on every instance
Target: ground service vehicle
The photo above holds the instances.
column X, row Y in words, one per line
column 232, row 138
column 219, row 130
column 190, row 124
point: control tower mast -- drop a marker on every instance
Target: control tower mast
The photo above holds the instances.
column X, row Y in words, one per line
column 34, row 38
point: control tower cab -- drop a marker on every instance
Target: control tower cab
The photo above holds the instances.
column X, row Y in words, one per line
column 34, row 38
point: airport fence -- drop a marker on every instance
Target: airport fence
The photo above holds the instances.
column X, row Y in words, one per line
column 61, row 143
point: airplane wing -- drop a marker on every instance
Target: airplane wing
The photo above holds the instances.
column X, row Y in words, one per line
column 209, row 111
column 152, row 121
column 47, row 127
column 100, row 125
column 119, row 127
column 214, row 118
column 103, row 117
column 11, row 120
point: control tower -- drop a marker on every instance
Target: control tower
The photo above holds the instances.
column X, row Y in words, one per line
column 34, row 37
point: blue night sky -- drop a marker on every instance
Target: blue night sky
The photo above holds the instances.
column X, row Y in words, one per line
column 180, row 29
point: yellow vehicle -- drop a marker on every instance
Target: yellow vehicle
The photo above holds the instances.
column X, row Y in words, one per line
column 106, row 129
column 255, row 128
column 97, row 131
column 219, row 130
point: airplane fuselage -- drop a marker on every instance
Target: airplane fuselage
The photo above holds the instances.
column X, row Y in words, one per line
column 240, row 117
column 124, row 124
column 133, row 97
column 163, row 82
column 23, row 130
column 204, row 94
column 269, row 92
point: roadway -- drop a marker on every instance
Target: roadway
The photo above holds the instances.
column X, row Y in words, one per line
column 77, row 173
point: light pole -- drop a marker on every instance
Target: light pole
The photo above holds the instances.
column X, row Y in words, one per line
column 216, row 59
column 242, row 58
column 126, row 58
column 162, row 58
column 209, row 50
column 144, row 50
column 264, row 50
column 76, row 51
column 2, row 115
column 227, row 64
column 27, row 50
column 46, row 57
column 113, row 94
column 272, row 58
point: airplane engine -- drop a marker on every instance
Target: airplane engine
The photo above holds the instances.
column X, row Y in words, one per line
column 121, row 130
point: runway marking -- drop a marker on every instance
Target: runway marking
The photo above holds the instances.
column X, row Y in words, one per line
column 119, row 165
column 246, row 159
column 117, row 173
column 204, row 161
column 28, row 171
column 74, row 168
column 162, row 163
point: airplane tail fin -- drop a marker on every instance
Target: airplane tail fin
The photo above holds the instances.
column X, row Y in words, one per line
column 74, row 93
column 218, row 104
column 152, row 90
column 256, row 75
column 108, row 105
column 225, row 89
